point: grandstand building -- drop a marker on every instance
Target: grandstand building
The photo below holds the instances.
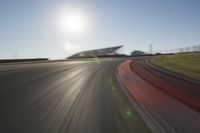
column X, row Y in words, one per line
column 111, row 51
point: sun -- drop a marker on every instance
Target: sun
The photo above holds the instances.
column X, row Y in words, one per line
column 73, row 22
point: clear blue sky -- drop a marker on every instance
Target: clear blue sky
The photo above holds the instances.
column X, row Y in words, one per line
column 28, row 27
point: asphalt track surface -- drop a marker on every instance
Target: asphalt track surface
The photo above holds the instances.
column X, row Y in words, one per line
column 173, row 103
column 66, row 97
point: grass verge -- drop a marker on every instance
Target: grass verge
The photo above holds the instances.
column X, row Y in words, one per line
column 185, row 64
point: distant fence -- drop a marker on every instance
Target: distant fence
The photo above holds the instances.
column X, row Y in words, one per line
column 23, row 60
column 195, row 48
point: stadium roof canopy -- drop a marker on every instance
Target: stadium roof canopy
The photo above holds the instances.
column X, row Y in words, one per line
column 97, row 52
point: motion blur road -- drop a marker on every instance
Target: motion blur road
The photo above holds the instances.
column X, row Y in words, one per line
column 89, row 97
column 71, row 97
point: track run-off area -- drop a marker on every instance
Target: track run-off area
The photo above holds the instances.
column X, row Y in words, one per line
column 172, row 102
column 114, row 95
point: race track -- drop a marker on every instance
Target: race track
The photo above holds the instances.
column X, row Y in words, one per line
column 102, row 96
column 65, row 97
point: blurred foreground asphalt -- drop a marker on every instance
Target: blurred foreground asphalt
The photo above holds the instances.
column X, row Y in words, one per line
column 65, row 97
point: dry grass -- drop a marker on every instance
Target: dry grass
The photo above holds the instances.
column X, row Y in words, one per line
column 185, row 64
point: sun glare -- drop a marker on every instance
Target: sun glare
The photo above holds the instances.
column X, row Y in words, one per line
column 70, row 47
column 71, row 26
column 72, row 22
